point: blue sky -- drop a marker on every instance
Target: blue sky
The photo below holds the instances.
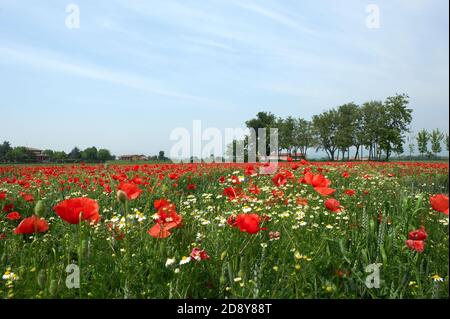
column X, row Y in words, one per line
column 135, row 70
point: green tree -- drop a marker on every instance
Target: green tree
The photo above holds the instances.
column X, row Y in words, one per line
column 436, row 139
column 90, row 154
column 396, row 119
column 372, row 123
column 75, row 154
column 4, row 149
column 303, row 136
column 285, row 133
column 263, row 120
column 161, row 156
column 104, row 155
column 326, row 129
column 346, row 127
column 446, row 142
column 422, row 141
column 20, row 155
column 50, row 154
column 60, row 157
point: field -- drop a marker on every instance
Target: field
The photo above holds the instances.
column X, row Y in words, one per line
column 299, row 230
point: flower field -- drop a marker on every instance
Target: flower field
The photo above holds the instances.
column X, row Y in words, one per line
column 298, row 230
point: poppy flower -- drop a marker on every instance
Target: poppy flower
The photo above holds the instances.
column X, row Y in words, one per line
column 199, row 254
column 279, row 180
column 249, row 223
column 350, row 192
column 75, row 209
column 301, row 201
column 319, row 183
column 232, row 193
column 131, row 190
column 2, row 196
column 191, row 186
column 8, row 207
column 417, row 245
column 419, row 234
column 27, row 197
column 333, row 205
column 254, row 190
column 439, row 203
column 166, row 219
column 32, row 225
column 13, row 216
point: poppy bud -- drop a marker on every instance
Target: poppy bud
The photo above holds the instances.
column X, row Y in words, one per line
column 39, row 208
column 121, row 196
column 42, row 278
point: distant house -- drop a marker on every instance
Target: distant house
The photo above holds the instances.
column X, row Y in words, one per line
column 133, row 158
column 39, row 154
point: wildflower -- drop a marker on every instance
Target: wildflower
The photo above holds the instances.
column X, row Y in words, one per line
column 198, row 254
column 131, row 190
column 249, row 223
column 32, row 225
column 185, row 260
column 170, row 261
column 333, row 205
column 79, row 209
column 437, row 278
column 13, row 216
column 440, row 203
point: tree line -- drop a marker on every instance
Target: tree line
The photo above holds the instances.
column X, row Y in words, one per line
column 378, row 127
column 434, row 139
column 24, row 155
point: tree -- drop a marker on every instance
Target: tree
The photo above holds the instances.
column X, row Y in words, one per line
column 20, row 155
column 4, row 149
column 446, row 142
column 104, row 155
column 325, row 127
column 60, row 157
column 436, row 138
column 75, row 154
column 422, row 141
column 397, row 118
column 90, row 154
column 50, row 154
column 285, row 133
column 372, row 123
column 346, row 127
column 263, row 120
column 303, row 136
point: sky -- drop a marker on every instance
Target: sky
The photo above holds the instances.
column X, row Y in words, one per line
column 131, row 71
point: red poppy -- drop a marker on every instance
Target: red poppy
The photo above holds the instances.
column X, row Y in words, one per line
column 2, row 196
column 249, row 223
column 13, row 216
column 333, row 205
column 279, row 179
column 345, row 174
column 32, row 225
column 417, row 245
column 8, row 208
column 232, row 193
column 132, row 190
column 198, row 254
column 319, row 183
column 419, row 234
column 439, row 203
column 254, row 190
column 27, row 197
column 75, row 209
column 167, row 218
column 191, row 186
column 222, row 179
column 301, row 201
column 350, row 192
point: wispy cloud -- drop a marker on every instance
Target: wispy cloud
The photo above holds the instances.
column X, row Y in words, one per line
column 53, row 61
